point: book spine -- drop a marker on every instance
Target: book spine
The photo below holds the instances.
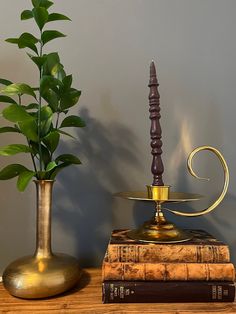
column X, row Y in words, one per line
column 168, row 271
column 144, row 292
column 168, row 253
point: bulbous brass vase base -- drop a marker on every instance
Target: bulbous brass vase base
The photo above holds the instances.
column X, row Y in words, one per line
column 33, row 277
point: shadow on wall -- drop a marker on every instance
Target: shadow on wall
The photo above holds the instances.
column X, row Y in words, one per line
column 83, row 198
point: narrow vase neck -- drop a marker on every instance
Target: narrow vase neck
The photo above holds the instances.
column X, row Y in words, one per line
column 44, row 204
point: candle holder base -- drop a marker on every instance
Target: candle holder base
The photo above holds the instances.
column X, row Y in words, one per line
column 159, row 231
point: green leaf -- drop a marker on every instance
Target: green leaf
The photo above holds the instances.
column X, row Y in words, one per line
column 29, row 129
column 25, row 40
column 68, row 158
column 8, row 129
column 11, row 171
column 14, row 149
column 42, row 175
column 69, row 98
column 46, row 155
column 41, row 16
column 46, row 119
column 72, row 121
column 15, row 113
column 50, row 35
column 7, row 99
column 35, row 147
column 12, row 40
column 35, row 88
column 67, row 134
column 51, row 166
column 58, row 71
column 52, row 59
column 28, row 40
column 26, row 14
column 18, row 88
column 67, row 81
column 42, row 3
column 28, row 37
column 53, row 67
column 39, row 61
column 31, row 106
column 57, row 17
column 46, row 113
column 51, row 141
column 52, row 99
column 24, row 179
column 5, row 82
column 48, row 82
column 57, row 169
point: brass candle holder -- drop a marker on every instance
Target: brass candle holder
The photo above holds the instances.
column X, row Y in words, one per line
column 158, row 229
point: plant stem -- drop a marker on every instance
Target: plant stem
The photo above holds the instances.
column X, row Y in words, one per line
column 32, row 157
column 19, row 96
column 58, row 114
column 39, row 111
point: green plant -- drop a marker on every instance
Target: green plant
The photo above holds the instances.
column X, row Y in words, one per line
column 41, row 121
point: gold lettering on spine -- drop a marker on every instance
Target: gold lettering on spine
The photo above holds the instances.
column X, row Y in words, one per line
column 225, row 292
column 213, row 292
column 219, row 292
column 122, row 292
column 111, row 291
column 127, row 291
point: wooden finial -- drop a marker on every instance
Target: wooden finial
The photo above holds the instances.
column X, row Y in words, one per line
column 155, row 131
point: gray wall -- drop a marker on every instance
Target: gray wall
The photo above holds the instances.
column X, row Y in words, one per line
column 109, row 47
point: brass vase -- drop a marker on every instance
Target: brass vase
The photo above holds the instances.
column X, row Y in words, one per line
column 44, row 274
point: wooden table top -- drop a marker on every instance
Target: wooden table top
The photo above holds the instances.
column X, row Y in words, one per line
column 86, row 298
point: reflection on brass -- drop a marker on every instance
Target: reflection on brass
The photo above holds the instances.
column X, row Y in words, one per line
column 158, row 192
column 158, row 230
column 225, row 186
column 174, row 197
column 32, row 278
column 44, row 274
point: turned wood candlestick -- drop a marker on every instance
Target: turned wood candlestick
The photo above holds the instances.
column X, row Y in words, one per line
column 158, row 229
column 157, row 167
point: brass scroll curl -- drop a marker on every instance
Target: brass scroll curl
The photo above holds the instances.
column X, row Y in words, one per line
column 225, row 187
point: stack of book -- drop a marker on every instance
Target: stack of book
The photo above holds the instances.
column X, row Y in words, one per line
column 198, row 270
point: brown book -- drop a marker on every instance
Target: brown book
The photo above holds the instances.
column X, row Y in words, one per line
column 172, row 291
column 203, row 248
column 168, row 271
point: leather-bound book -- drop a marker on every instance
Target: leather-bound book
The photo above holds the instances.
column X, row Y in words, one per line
column 168, row 271
column 203, row 248
column 154, row 291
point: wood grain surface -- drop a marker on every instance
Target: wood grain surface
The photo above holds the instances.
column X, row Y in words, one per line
column 86, row 298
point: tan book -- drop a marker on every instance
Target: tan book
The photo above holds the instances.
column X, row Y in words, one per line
column 168, row 271
column 203, row 248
